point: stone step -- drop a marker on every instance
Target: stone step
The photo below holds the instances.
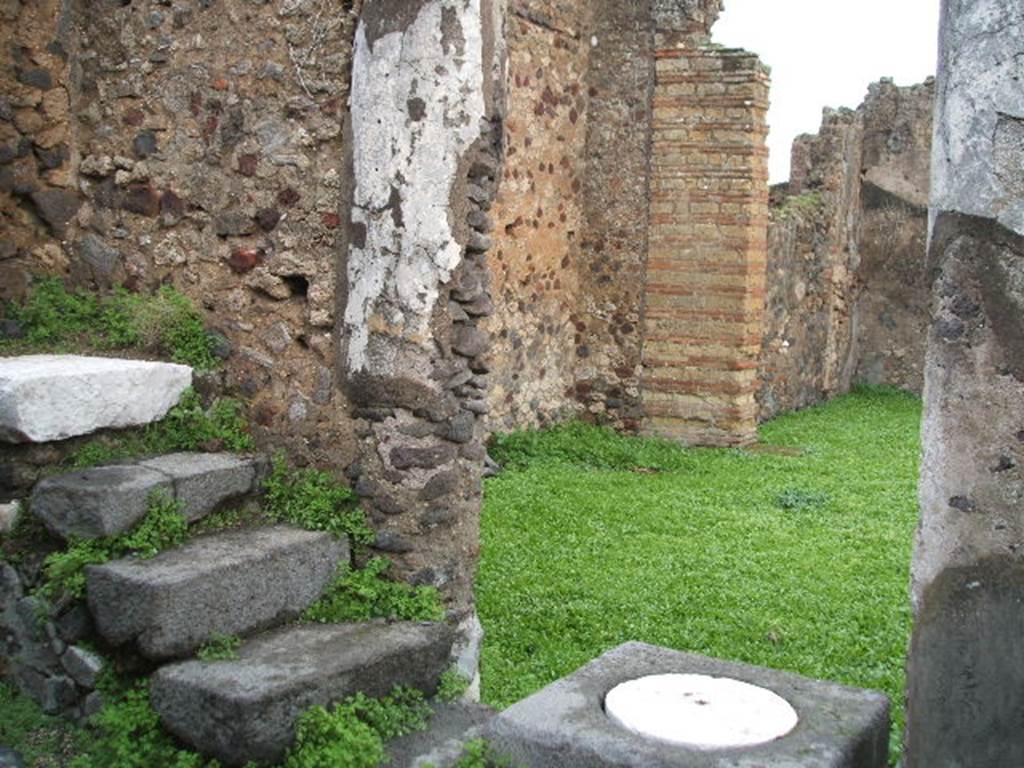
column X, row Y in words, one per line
column 54, row 397
column 246, row 709
column 10, row 759
column 229, row 583
column 203, row 481
column 440, row 746
column 105, row 501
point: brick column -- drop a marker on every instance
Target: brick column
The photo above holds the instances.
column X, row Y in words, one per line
column 708, row 243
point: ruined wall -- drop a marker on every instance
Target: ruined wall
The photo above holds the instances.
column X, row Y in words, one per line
column 574, row 213
column 796, row 318
column 539, row 215
column 704, row 295
column 38, row 199
column 607, row 319
column 966, row 665
column 205, row 151
column 573, row 217
column 847, row 296
column 211, row 157
column 212, row 146
column 893, row 293
column 807, row 333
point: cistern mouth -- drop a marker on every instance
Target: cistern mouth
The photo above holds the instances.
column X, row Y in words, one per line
column 700, row 711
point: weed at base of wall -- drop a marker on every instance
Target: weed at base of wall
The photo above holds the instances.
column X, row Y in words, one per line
column 54, row 318
column 163, row 527
column 353, row 734
column 126, row 732
column 365, row 593
column 220, row 648
column 452, row 685
column 479, row 754
column 312, row 499
column 803, row 206
column 188, row 426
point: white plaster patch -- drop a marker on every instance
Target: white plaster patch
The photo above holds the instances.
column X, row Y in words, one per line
column 980, row 75
column 417, row 102
column 700, row 711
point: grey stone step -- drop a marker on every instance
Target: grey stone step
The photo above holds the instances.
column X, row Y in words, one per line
column 226, row 583
column 10, row 759
column 452, row 725
column 54, row 397
column 243, row 710
column 202, row 481
column 92, row 503
column 105, row 501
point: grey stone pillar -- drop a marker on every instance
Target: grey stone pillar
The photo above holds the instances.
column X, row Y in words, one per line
column 966, row 667
column 425, row 144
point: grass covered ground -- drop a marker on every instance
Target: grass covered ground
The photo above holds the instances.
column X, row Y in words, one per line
column 796, row 558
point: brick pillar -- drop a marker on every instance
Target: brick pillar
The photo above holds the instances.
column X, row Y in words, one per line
column 708, row 243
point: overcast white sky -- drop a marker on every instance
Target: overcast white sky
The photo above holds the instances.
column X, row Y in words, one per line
column 826, row 52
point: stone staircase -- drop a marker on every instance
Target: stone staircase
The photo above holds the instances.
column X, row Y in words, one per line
column 54, row 397
column 245, row 709
column 111, row 499
column 231, row 583
column 452, row 725
column 250, row 582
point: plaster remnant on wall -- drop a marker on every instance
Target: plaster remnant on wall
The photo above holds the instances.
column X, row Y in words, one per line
column 1008, row 149
column 426, row 159
column 969, row 139
column 414, row 115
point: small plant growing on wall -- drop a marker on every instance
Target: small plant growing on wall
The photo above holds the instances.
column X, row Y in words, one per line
column 803, row 206
column 58, row 319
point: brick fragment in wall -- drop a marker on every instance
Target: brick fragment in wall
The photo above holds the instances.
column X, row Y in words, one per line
column 470, row 341
column 440, row 485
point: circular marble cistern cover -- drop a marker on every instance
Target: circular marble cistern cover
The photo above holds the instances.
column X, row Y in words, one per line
column 700, row 711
